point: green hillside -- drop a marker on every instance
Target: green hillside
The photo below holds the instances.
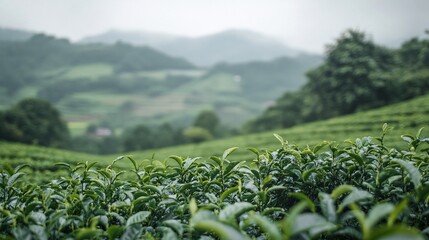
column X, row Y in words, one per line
column 122, row 85
column 405, row 118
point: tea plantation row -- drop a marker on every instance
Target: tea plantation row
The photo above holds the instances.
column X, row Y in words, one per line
column 361, row 190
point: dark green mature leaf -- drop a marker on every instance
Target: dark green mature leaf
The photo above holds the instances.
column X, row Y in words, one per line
column 114, row 232
column 416, row 176
column 12, row 179
column 212, row 198
column 39, row 218
column 153, row 188
column 223, row 231
column 357, row 157
column 132, row 232
column 39, row 232
column 21, row 233
column 168, row 234
column 328, row 207
column 231, row 168
column 138, row 218
column 175, row 225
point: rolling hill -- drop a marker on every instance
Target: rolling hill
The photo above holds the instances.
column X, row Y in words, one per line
column 124, row 85
column 232, row 46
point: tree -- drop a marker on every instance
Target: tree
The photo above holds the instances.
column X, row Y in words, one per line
column 207, row 119
column 34, row 121
column 138, row 138
column 352, row 77
column 197, row 134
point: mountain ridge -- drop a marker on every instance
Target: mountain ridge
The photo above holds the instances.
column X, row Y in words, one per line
column 232, row 46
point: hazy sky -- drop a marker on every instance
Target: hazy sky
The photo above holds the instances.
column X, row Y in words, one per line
column 305, row 24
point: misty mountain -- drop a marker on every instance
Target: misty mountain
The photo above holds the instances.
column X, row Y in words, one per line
column 274, row 77
column 7, row 34
column 20, row 60
column 232, row 46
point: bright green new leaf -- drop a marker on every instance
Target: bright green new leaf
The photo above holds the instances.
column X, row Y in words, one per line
column 340, row 190
column 228, row 192
column 178, row 159
column 87, row 233
column 227, row 152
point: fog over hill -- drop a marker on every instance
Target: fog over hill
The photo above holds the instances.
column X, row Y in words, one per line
column 233, row 46
column 8, row 34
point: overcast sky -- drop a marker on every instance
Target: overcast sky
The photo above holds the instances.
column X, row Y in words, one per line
column 305, row 24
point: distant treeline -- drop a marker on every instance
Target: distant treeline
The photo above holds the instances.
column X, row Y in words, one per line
column 356, row 75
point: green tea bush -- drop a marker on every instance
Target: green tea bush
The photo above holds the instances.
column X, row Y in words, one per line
column 362, row 191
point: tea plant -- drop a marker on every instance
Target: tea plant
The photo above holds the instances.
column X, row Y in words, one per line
column 363, row 190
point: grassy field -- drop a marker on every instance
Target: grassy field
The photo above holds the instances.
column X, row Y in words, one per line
column 405, row 118
column 91, row 71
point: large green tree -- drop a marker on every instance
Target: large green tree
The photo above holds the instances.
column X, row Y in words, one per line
column 33, row 121
column 353, row 76
column 207, row 119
